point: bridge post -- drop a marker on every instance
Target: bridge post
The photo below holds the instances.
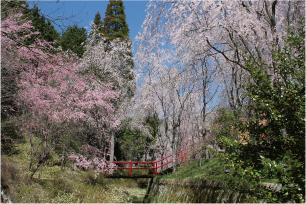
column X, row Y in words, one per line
column 155, row 168
column 182, row 156
column 130, row 170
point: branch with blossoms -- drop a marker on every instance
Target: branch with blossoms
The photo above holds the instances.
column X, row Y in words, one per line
column 51, row 89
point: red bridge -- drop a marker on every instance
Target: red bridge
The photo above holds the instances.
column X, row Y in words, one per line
column 155, row 165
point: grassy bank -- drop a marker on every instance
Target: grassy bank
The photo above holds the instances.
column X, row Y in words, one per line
column 207, row 169
column 67, row 186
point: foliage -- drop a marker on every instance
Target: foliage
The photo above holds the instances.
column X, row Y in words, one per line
column 136, row 145
column 276, row 148
column 208, row 169
column 50, row 89
column 7, row 7
column 97, row 20
column 208, row 44
column 46, row 30
column 9, row 71
column 97, row 23
column 62, row 186
column 114, row 23
column 133, row 144
column 73, row 38
column 8, row 137
column 223, row 126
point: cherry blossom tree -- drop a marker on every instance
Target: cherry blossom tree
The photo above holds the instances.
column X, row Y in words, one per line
column 216, row 37
column 52, row 90
column 107, row 62
column 169, row 90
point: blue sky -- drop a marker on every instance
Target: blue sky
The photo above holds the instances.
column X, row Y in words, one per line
column 84, row 12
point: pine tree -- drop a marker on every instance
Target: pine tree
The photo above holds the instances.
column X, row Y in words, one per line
column 115, row 25
column 46, row 29
column 74, row 38
column 97, row 21
column 97, row 26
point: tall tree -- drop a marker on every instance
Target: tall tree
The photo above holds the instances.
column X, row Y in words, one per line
column 46, row 30
column 215, row 33
column 96, row 27
column 105, row 64
column 52, row 91
column 8, row 74
column 216, row 28
column 73, row 38
column 97, row 20
column 115, row 25
column 276, row 148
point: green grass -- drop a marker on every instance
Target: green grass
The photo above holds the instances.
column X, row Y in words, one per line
column 66, row 186
column 210, row 169
column 78, row 186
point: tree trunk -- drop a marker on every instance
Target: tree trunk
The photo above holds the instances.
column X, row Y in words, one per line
column 37, row 166
column 44, row 158
column 40, row 163
column 40, row 171
column 207, row 155
column 32, row 152
column 63, row 156
column 173, row 148
column 112, row 147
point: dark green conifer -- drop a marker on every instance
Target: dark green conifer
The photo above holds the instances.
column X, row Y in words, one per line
column 97, row 20
column 97, row 25
column 115, row 25
column 46, row 29
column 74, row 38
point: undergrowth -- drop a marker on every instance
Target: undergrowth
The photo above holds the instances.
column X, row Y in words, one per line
column 207, row 169
column 67, row 186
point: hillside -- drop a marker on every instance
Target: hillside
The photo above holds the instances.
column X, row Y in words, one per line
column 207, row 169
column 67, row 186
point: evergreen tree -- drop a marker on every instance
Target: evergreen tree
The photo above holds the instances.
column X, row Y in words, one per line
column 97, row 20
column 135, row 145
column 74, row 38
column 115, row 25
column 97, row 26
column 42, row 25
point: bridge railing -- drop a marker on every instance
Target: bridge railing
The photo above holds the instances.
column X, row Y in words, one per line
column 154, row 167
column 183, row 155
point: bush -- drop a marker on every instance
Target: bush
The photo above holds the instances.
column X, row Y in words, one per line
column 142, row 182
column 10, row 173
column 277, row 148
